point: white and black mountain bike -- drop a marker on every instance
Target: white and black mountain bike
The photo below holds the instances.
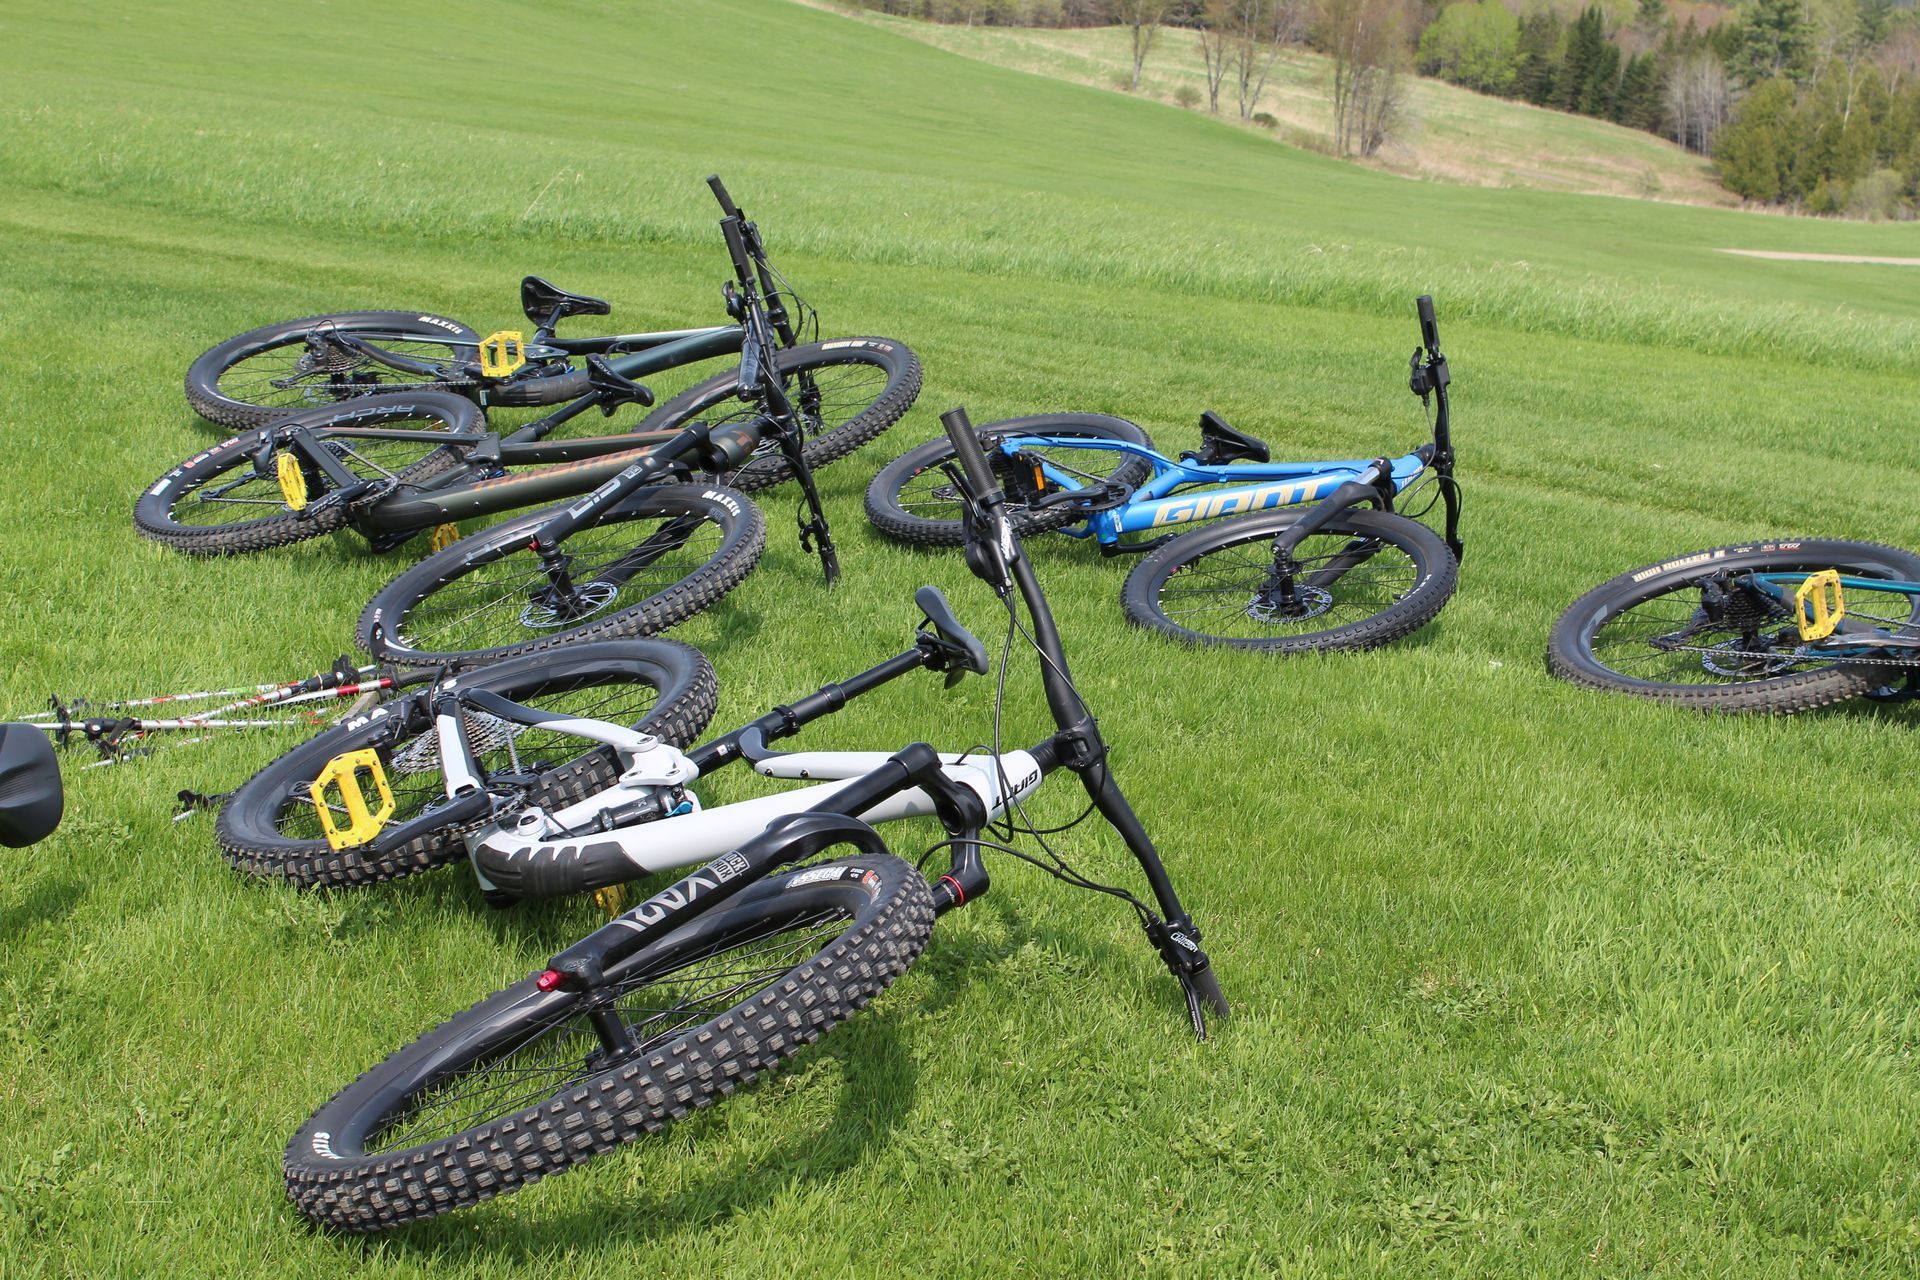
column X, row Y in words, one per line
column 797, row 916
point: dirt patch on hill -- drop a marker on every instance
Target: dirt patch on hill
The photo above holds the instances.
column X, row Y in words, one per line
column 1824, row 257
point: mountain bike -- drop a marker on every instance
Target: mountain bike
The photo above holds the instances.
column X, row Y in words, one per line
column 318, row 362
column 395, row 465
column 715, row 980
column 643, row 549
column 308, row 817
column 1777, row 626
column 1278, row 576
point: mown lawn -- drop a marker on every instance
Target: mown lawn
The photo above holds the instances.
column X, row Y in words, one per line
column 1527, row 980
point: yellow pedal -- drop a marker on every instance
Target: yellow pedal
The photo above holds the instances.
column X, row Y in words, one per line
column 293, row 481
column 1819, row 604
column 444, row 536
column 343, row 775
column 502, row 353
column 612, row 899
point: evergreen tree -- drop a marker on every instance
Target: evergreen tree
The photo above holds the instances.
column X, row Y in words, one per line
column 1538, row 52
column 1774, row 41
column 1755, row 151
column 1586, row 41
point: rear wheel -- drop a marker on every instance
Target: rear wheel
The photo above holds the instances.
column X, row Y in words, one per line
column 846, row 391
column 658, row 558
column 528, row 1083
column 222, row 501
column 1687, row 631
column 271, row 825
column 913, row 500
column 285, row 368
column 1361, row 581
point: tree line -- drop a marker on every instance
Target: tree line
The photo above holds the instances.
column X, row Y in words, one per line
column 1810, row 104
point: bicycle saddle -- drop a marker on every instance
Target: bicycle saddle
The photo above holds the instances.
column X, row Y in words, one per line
column 30, row 797
column 547, row 303
column 960, row 647
column 1220, row 443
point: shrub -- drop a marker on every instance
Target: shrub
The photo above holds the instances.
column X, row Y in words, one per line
column 1187, row 96
column 1876, row 196
column 1265, row 121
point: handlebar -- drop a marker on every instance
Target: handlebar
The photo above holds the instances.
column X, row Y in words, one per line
column 737, row 248
column 966, row 447
column 727, row 206
column 1429, row 327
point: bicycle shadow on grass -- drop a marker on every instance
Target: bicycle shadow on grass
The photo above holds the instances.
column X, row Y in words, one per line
column 877, row 1082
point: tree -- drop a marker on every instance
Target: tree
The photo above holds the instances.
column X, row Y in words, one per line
column 1774, row 41
column 1142, row 19
column 1755, row 152
column 1586, row 49
column 1473, row 44
column 1215, row 28
column 1260, row 29
column 1366, row 40
column 1538, row 57
column 1698, row 100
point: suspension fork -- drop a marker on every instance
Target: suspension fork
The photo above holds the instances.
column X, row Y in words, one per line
column 792, row 441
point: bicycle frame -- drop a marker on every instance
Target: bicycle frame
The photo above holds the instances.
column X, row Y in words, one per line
column 960, row 791
column 1156, row 506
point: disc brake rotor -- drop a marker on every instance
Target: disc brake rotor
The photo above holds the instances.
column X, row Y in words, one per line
column 588, row 599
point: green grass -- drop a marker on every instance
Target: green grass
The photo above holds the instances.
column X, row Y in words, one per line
column 1528, row 980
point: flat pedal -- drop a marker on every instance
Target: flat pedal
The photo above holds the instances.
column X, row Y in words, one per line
column 293, row 481
column 1818, row 605
column 342, row 776
column 502, row 354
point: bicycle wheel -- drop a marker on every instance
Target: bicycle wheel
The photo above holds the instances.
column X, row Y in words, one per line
column 847, row 391
column 519, row 1087
column 1365, row 579
column 219, row 501
column 658, row 558
column 1685, row 631
column 912, row 500
column 271, row 827
column 270, row 372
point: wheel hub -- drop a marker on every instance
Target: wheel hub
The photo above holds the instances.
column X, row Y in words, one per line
column 546, row 612
column 1307, row 602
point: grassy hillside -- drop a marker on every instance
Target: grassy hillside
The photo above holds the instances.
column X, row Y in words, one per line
column 1450, row 133
column 1528, row 980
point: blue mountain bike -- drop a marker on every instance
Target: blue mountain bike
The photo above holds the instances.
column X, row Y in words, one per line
column 1280, row 575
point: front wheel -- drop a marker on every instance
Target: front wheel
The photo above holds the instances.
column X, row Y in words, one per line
column 529, row 1083
column 658, row 558
column 846, row 392
column 1693, row 631
column 270, row 826
column 1363, row 580
column 913, row 500
column 279, row 369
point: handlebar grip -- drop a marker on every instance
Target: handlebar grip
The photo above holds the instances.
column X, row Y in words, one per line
column 727, row 206
column 966, row 447
column 1429, row 327
column 736, row 247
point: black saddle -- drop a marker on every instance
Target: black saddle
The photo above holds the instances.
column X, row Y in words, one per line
column 1221, row 444
column 547, row 304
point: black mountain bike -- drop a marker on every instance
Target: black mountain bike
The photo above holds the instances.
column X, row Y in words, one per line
column 320, row 362
column 720, row 977
column 645, row 548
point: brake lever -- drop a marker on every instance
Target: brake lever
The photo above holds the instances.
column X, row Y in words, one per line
column 986, row 558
